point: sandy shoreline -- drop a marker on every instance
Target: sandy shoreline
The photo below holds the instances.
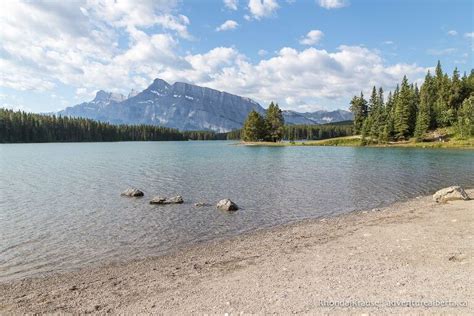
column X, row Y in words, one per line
column 410, row 253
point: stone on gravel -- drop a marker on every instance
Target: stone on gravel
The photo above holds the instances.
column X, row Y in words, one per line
column 450, row 194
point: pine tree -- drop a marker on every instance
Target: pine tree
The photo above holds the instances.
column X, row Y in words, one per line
column 254, row 127
column 274, row 123
column 465, row 122
column 360, row 111
column 424, row 116
column 402, row 110
column 456, row 92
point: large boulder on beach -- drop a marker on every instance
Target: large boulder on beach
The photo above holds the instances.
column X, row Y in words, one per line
column 227, row 205
column 132, row 192
column 450, row 194
column 163, row 200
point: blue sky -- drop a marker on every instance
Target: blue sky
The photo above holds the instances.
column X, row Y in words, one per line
column 304, row 54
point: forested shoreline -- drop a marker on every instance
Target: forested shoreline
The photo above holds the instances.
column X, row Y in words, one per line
column 407, row 112
column 22, row 127
column 412, row 111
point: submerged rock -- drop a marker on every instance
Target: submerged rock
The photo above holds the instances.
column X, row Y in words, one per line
column 450, row 194
column 163, row 200
column 201, row 204
column 227, row 205
column 132, row 192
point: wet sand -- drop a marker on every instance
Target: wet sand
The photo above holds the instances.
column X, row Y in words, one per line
column 411, row 257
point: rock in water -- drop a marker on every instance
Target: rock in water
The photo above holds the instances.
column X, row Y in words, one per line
column 162, row 200
column 227, row 205
column 175, row 200
column 450, row 194
column 158, row 200
column 201, row 204
column 132, row 192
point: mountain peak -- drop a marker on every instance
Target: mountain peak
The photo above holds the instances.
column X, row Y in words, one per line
column 159, row 84
column 102, row 95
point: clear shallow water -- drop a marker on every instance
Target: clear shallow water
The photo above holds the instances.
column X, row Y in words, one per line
column 61, row 209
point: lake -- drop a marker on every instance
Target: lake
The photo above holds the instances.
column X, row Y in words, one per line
column 61, row 209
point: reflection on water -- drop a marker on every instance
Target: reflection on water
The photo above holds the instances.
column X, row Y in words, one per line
column 60, row 204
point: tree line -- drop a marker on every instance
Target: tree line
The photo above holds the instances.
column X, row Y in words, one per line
column 318, row 132
column 22, row 127
column 412, row 111
column 307, row 132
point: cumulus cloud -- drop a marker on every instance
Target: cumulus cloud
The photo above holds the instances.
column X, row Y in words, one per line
column 469, row 35
column 262, row 8
column 89, row 46
column 297, row 79
column 77, row 43
column 231, row 4
column 227, row 25
column 313, row 37
column 452, row 32
column 262, row 52
column 333, row 4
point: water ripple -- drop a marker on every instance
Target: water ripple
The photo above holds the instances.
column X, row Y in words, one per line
column 60, row 207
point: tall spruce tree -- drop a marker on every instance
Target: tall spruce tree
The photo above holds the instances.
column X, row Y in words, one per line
column 402, row 110
column 254, row 127
column 424, row 117
column 456, row 92
column 274, row 123
column 359, row 109
column 465, row 123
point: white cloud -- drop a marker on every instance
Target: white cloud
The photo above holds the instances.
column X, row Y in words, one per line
column 469, row 35
column 77, row 43
column 333, row 4
column 452, row 32
column 93, row 46
column 231, row 4
column 227, row 25
column 262, row 8
column 313, row 37
column 262, row 52
column 298, row 80
column 175, row 23
column 388, row 42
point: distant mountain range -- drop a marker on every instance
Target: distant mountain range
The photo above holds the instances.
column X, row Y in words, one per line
column 186, row 107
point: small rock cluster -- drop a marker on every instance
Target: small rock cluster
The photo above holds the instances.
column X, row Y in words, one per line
column 225, row 204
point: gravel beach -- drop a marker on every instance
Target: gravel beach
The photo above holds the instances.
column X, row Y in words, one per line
column 411, row 257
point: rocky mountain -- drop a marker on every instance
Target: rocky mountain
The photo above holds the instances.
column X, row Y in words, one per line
column 318, row 117
column 186, row 107
column 181, row 105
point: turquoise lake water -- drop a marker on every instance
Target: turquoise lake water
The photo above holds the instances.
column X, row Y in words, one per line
column 61, row 209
